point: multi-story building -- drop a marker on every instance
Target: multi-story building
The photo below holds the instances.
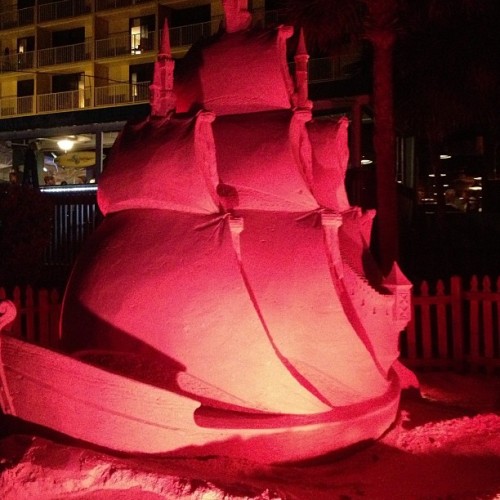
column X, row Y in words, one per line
column 80, row 54
column 77, row 69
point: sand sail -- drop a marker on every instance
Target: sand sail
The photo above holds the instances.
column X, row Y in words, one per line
column 230, row 258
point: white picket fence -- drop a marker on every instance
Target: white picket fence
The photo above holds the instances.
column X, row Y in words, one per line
column 452, row 327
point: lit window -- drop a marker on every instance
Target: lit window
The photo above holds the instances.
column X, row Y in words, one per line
column 135, row 39
column 134, row 85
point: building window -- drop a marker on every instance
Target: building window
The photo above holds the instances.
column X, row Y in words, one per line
column 141, row 29
column 133, row 83
column 140, row 76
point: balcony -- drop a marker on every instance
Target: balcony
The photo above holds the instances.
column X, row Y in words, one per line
column 17, row 62
column 121, row 93
column 187, row 35
column 61, row 10
column 17, row 18
column 14, row 106
column 77, row 52
column 64, row 101
column 111, row 95
column 271, row 17
column 116, row 4
column 320, row 70
column 120, row 44
column 328, row 69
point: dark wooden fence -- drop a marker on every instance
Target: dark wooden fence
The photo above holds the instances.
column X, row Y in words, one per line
column 75, row 217
column 38, row 314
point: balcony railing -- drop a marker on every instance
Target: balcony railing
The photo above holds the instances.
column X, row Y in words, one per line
column 13, row 106
column 272, row 17
column 320, row 70
column 189, row 34
column 64, row 101
column 109, row 95
column 327, row 69
column 16, row 62
column 66, row 54
column 17, row 18
column 70, row 8
column 61, row 10
column 116, row 4
column 121, row 93
column 120, row 44
column 25, row 105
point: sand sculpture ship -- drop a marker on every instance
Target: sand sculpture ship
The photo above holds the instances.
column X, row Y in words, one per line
column 228, row 303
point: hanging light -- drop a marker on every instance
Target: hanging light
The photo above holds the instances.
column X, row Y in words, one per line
column 65, row 144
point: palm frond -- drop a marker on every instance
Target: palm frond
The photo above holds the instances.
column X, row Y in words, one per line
column 326, row 23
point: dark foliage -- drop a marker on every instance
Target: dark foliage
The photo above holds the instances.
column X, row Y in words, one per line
column 25, row 222
column 447, row 63
column 327, row 24
column 446, row 58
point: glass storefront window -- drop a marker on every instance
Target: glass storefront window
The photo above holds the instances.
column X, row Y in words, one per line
column 72, row 160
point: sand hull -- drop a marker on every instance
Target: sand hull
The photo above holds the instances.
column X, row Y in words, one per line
column 116, row 412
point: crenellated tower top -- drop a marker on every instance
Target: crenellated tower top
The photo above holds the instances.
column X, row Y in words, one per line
column 162, row 97
column 301, row 58
column 238, row 18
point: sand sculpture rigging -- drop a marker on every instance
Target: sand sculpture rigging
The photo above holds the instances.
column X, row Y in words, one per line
column 230, row 285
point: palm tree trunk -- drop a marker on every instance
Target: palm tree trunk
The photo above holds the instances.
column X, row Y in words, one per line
column 382, row 37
